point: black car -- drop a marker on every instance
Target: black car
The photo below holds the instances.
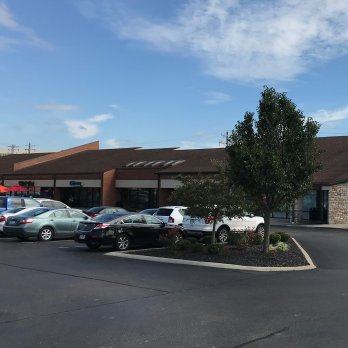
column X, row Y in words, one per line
column 103, row 209
column 123, row 231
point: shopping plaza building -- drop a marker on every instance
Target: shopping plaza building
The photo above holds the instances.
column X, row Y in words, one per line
column 138, row 178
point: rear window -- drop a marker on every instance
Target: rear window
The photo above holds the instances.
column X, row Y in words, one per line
column 30, row 203
column 164, row 212
column 36, row 212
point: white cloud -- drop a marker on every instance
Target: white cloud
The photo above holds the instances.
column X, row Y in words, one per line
column 330, row 116
column 57, row 107
column 16, row 34
column 113, row 143
column 243, row 40
column 214, row 98
column 100, row 118
column 81, row 129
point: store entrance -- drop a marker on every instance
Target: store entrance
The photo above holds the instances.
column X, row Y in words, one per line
column 81, row 197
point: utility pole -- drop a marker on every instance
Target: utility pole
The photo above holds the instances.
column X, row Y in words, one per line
column 12, row 149
column 30, row 148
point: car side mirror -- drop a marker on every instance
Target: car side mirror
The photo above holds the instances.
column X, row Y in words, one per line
column 162, row 224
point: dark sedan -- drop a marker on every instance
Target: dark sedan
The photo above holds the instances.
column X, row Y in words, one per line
column 123, row 231
column 103, row 209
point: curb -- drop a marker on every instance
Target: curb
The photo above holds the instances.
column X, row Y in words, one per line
column 127, row 255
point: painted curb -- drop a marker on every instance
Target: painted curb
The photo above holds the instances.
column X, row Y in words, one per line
column 126, row 254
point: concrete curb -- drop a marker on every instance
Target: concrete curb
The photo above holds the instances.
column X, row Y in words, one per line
column 128, row 255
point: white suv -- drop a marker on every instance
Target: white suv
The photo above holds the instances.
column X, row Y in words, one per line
column 173, row 214
column 198, row 227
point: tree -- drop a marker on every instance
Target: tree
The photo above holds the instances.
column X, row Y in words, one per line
column 209, row 196
column 274, row 158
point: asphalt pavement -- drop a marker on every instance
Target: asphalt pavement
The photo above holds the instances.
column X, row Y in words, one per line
column 59, row 294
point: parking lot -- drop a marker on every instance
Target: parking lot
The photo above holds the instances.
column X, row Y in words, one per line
column 60, row 294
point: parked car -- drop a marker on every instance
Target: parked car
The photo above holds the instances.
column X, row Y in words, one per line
column 124, row 231
column 4, row 214
column 51, row 203
column 149, row 211
column 10, row 202
column 95, row 211
column 171, row 214
column 45, row 225
column 198, row 227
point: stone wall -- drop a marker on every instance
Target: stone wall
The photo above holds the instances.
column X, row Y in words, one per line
column 338, row 204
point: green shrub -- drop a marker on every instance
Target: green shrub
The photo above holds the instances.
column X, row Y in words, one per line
column 284, row 237
column 274, row 238
column 183, row 245
column 192, row 240
column 213, row 249
column 279, row 246
column 242, row 242
column 197, row 247
column 234, row 238
column 206, row 240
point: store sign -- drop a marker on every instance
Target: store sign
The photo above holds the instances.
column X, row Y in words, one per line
column 75, row 183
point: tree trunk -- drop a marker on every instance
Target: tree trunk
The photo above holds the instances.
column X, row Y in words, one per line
column 213, row 233
column 267, row 218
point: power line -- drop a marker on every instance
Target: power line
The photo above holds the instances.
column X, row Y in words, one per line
column 30, row 147
column 12, row 149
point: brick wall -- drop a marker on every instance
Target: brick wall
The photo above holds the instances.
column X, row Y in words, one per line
column 338, row 204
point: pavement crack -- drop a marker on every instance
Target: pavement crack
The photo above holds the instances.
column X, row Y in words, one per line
column 85, row 277
column 284, row 329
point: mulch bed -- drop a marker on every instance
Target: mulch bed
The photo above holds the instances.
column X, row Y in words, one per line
column 250, row 256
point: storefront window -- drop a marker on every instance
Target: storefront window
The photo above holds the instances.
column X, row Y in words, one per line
column 134, row 199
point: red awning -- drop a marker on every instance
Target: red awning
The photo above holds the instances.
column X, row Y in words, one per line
column 17, row 188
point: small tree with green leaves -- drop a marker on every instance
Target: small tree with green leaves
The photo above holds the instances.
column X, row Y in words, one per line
column 209, row 196
column 274, row 158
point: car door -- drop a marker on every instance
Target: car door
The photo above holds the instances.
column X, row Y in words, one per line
column 135, row 226
column 75, row 218
column 61, row 222
column 154, row 228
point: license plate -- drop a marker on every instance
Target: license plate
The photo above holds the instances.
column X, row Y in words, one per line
column 82, row 236
column 12, row 222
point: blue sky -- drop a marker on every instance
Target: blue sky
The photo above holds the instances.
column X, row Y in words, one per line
column 159, row 73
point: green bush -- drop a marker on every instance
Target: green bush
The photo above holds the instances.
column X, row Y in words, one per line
column 234, row 238
column 279, row 246
column 192, row 240
column 183, row 245
column 197, row 247
column 242, row 242
column 206, row 240
column 274, row 238
column 213, row 249
column 284, row 237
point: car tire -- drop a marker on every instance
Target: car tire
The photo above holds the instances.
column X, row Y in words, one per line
column 223, row 234
column 93, row 245
column 260, row 230
column 122, row 242
column 46, row 234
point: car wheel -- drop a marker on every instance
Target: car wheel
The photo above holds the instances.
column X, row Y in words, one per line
column 46, row 234
column 122, row 242
column 222, row 234
column 93, row 245
column 261, row 230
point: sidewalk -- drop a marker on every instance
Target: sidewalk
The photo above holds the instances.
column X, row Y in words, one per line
column 286, row 222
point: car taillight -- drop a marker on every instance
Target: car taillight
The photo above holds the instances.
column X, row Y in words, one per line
column 102, row 226
column 2, row 218
column 171, row 219
column 209, row 220
column 93, row 215
column 26, row 221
